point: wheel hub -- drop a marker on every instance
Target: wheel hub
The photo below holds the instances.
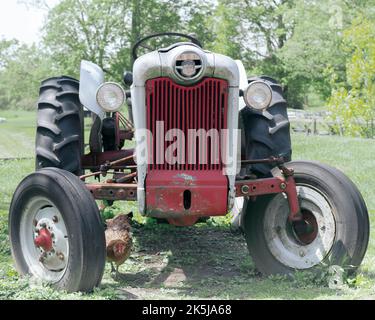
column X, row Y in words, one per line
column 44, row 240
column 50, row 239
column 306, row 230
column 305, row 243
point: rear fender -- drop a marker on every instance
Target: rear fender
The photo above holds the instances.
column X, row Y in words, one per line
column 91, row 77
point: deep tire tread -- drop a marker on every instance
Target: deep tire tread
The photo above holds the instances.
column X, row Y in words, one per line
column 267, row 133
column 60, row 125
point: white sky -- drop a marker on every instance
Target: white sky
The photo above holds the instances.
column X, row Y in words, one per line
column 18, row 21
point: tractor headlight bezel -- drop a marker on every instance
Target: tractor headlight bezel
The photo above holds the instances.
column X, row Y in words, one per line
column 258, row 95
column 110, row 96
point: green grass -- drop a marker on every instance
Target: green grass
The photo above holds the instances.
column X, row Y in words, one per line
column 17, row 134
column 204, row 261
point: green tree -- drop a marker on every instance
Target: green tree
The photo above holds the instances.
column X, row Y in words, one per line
column 226, row 27
column 353, row 104
column 84, row 29
column 103, row 31
column 22, row 68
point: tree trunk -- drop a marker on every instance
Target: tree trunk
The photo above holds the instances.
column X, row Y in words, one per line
column 135, row 31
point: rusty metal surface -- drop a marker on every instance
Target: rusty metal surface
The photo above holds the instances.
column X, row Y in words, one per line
column 306, row 230
column 95, row 160
column 44, row 240
column 119, row 176
column 207, row 190
column 272, row 160
column 183, row 221
column 165, row 193
column 253, row 188
column 113, row 191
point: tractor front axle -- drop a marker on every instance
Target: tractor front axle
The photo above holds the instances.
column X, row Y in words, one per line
column 274, row 185
column 244, row 188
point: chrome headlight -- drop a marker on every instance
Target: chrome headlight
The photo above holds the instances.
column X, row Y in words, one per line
column 258, row 95
column 110, row 96
column 188, row 65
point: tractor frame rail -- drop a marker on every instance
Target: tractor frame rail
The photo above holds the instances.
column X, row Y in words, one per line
column 124, row 188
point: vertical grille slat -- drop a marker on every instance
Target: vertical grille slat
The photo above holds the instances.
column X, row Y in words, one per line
column 202, row 106
column 212, row 125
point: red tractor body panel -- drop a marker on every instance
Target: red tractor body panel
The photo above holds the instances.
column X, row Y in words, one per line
column 176, row 194
column 191, row 181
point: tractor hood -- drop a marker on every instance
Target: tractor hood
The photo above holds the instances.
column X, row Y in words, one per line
column 166, row 63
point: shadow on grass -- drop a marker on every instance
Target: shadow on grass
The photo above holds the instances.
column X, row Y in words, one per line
column 200, row 262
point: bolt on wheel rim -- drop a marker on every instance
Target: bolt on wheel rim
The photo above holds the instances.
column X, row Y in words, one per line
column 44, row 240
column 304, row 244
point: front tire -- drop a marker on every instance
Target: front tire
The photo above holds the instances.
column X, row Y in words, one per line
column 335, row 229
column 56, row 233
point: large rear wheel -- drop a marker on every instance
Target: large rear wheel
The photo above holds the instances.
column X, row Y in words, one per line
column 334, row 229
column 56, row 233
column 59, row 136
column 264, row 134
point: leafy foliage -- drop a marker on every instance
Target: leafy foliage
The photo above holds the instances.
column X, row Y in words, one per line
column 354, row 102
column 21, row 70
column 320, row 49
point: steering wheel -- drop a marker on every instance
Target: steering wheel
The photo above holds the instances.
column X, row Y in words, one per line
column 141, row 44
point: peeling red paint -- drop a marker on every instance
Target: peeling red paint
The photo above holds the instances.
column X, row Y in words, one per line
column 165, row 193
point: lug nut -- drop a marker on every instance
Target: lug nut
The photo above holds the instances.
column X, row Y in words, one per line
column 60, row 255
column 245, row 189
column 282, row 186
column 55, row 219
column 42, row 257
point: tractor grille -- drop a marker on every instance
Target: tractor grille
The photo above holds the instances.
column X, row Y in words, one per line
column 202, row 106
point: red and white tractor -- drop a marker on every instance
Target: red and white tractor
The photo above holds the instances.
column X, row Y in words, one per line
column 206, row 136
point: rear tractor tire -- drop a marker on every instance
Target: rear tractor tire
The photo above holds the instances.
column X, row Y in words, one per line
column 59, row 136
column 55, row 230
column 264, row 135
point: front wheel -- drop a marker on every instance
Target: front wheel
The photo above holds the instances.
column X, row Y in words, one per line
column 334, row 229
column 55, row 230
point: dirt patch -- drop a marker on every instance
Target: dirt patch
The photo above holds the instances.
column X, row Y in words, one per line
column 183, row 259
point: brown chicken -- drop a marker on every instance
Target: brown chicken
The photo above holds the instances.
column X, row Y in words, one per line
column 118, row 240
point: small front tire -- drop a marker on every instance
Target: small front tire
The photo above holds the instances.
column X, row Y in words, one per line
column 334, row 231
column 56, row 233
